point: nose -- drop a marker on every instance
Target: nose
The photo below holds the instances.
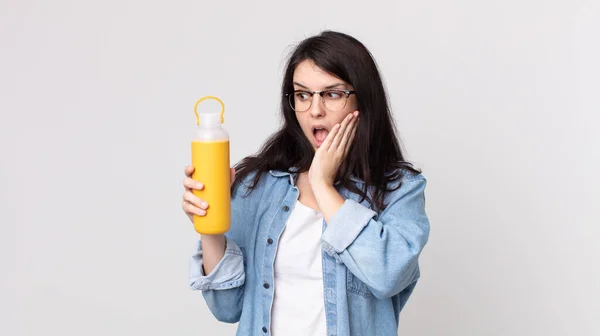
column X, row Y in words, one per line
column 316, row 108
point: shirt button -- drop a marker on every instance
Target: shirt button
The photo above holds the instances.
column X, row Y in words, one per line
column 269, row 241
column 264, row 329
column 266, row 285
column 286, row 208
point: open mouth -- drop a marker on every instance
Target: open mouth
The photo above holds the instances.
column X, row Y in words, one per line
column 320, row 133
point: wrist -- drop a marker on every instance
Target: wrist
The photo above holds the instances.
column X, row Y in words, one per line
column 320, row 185
column 212, row 240
column 328, row 199
column 212, row 237
column 213, row 250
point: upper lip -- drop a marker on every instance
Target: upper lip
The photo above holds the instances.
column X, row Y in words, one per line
column 319, row 126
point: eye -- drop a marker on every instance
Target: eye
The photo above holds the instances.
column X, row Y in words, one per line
column 301, row 96
column 334, row 94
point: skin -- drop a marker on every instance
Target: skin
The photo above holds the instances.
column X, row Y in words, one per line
column 315, row 186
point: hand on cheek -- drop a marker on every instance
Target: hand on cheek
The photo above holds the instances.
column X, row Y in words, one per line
column 334, row 150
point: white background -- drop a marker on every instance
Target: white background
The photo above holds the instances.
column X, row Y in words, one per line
column 497, row 102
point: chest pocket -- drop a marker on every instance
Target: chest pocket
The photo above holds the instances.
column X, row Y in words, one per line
column 356, row 286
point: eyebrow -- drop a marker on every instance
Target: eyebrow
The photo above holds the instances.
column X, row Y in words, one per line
column 336, row 85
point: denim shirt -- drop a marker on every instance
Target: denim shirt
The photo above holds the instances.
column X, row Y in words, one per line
column 369, row 259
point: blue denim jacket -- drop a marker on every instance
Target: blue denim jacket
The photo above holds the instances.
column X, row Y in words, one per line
column 369, row 259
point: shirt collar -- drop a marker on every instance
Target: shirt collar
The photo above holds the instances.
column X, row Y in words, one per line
column 293, row 174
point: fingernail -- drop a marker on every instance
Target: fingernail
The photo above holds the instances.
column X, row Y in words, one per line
column 204, row 205
column 199, row 185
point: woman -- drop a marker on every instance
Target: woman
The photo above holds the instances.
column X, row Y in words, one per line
column 328, row 220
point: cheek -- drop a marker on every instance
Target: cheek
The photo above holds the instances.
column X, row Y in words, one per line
column 344, row 115
column 303, row 124
column 352, row 103
column 351, row 106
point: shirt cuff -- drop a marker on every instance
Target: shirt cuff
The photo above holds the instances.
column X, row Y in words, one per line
column 345, row 225
column 228, row 273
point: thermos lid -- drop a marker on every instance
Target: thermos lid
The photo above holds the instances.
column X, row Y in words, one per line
column 208, row 118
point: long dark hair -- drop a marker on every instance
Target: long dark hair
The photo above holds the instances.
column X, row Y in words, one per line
column 375, row 157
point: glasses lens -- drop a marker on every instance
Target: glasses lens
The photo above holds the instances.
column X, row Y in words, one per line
column 334, row 100
column 300, row 101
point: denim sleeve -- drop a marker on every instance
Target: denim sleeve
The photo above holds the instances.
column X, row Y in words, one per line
column 228, row 273
column 382, row 250
column 223, row 287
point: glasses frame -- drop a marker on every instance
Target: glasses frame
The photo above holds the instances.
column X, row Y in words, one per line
column 320, row 93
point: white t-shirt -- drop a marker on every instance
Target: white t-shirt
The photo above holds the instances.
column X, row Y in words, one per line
column 298, row 304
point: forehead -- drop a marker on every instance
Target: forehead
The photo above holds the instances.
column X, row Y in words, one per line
column 310, row 75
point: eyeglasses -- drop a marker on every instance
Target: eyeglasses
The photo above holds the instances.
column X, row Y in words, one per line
column 333, row 100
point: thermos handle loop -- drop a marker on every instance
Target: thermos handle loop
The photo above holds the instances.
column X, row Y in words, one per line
column 209, row 97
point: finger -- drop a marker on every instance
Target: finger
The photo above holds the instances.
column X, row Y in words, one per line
column 190, row 209
column 190, row 184
column 327, row 142
column 345, row 137
column 189, row 170
column 351, row 138
column 232, row 175
column 188, row 196
column 338, row 138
